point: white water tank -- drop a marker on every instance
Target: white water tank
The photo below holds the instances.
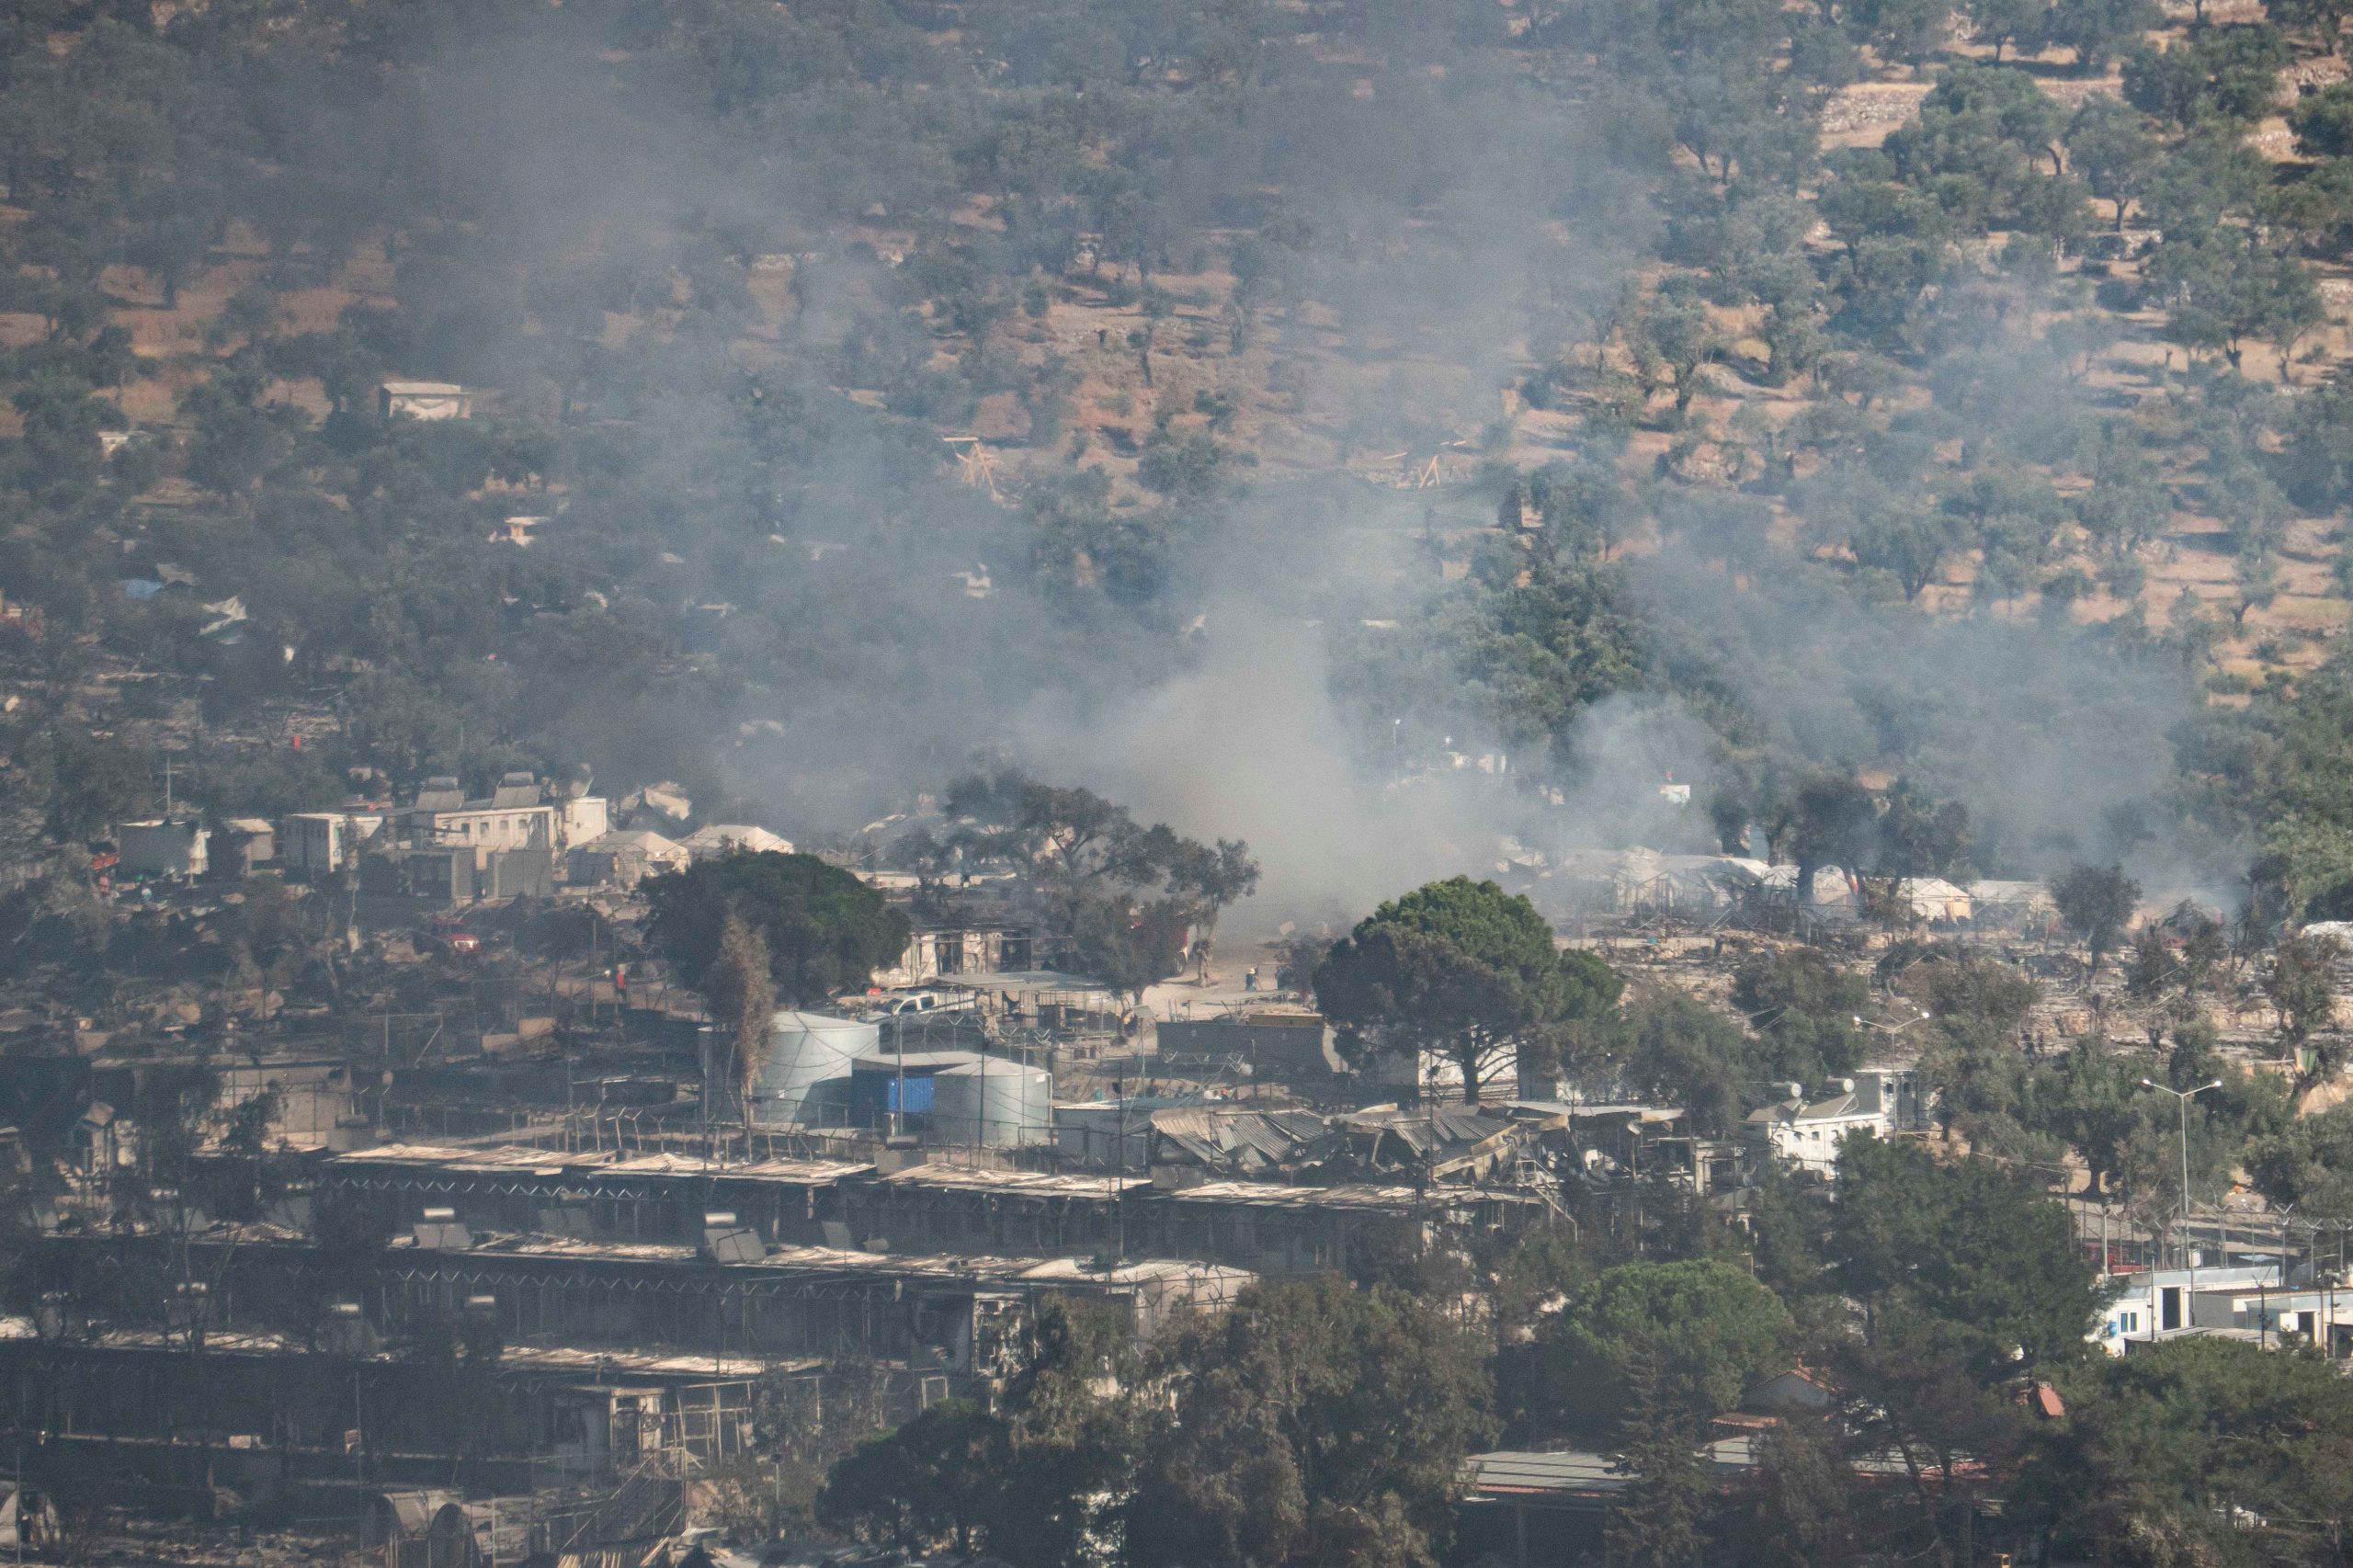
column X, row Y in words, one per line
column 992, row 1103
column 803, row 1051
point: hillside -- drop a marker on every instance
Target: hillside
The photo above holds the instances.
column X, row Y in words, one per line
column 881, row 374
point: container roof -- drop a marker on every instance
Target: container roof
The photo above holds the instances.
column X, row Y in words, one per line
column 913, row 1061
column 993, row 1067
column 819, row 1023
column 1033, row 1183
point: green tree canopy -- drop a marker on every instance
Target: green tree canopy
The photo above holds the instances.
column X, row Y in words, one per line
column 93, row 784
column 2226, row 73
column 1311, row 1422
column 1072, row 1431
column 2204, row 1451
column 2096, row 902
column 1678, row 1049
column 1708, row 1330
column 1972, row 1245
column 2109, row 145
column 927, row 1485
column 2324, row 122
column 2302, row 989
column 1805, row 1002
column 1985, row 142
column 825, row 930
column 1127, row 894
column 1832, row 822
column 1038, row 1479
column 1465, row 969
column 2308, row 1164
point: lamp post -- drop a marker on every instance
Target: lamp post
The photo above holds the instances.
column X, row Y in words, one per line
column 2184, row 1097
column 1863, row 1023
column 2335, row 1277
column 2338, row 1277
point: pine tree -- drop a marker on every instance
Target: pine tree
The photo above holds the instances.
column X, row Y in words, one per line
column 1659, row 1523
column 1801, row 1509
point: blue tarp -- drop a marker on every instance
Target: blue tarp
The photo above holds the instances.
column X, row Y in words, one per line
column 874, row 1097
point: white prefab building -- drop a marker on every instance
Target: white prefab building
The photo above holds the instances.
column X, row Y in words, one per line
column 625, row 858
column 667, row 801
column 2159, row 1303
column 160, row 849
column 515, row 815
column 424, row 400
column 1437, row 1076
column 1806, row 1133
column 320, row 844
column 483, row 827
column 582, row 817
column 1835, row 891
column 249, row 842
column 2010, row 906
column 1934, row 899
column 2275, row 1317
column 28, row 1522
column 729, row 838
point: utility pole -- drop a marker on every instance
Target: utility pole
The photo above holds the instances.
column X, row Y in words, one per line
column 703, row 1037
column 2335, row 1278
column 2188, row 1256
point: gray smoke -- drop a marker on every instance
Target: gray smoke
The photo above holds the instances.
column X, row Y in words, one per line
column 1210, row 701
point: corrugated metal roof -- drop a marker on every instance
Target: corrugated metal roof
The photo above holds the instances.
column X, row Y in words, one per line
column 1429, row 1132
column 1366, row 1197
column 887, row 1061
column 511, row 1159
column 976, row 1272
column 717, row 837
column 1271, row 1195
column 413, row 1512
column 523, row 1356
column 1835, row 1107
column 644, row 840
column 1647, row 1113
column 1514, row 1471
column 1247, row 1140
column 1570, row 1472
column 1033, row 1184
column 1149, row 1271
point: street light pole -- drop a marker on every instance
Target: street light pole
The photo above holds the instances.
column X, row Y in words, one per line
column 2188, row 1258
